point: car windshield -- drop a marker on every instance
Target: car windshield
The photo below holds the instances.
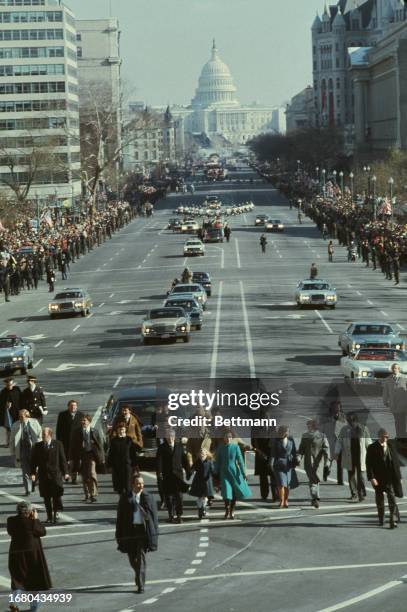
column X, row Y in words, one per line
column 261, row 217
column 381, row 355
column 373, row 330
column 165, row 313
column 9, row 342
column 186, row 288
column 187, row 304
column 315, row 287
column 275, row 221
column 198, row 276
column 194, row 244
column 70, row 295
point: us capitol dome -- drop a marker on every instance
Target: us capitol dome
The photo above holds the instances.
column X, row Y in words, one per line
column 215, row 85
column 216, row 113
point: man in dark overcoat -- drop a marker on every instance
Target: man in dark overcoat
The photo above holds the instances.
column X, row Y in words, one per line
column 383, row 471
column 137, row 528
column 122, row 459
column 69, row 420
column 172, row 464
column 49, row 466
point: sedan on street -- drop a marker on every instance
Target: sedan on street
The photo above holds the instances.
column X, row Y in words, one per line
column 70, row 301
column 370, row 365
column 194, row 247
column 373, row 334
column 274, row 225
column 165, row 323
column 196, row 290
column 16, row 354
column 190, row 306
column 315, row 293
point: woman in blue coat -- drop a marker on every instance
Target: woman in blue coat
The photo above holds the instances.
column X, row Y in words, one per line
column 230, row 469
column 284, row 461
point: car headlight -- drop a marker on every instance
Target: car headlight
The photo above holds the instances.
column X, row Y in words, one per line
column 331, row 297
column 305, row 298
column 365, row 373
column 18, row 358
column 53, row 307
column 181, row 328
column 147, row 330
column 79, row 304
column 398, row 346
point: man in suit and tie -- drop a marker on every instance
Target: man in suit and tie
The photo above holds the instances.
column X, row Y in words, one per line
column 69, row 420
column 172, row 467
column 86, row 450
column 137, row 528
column 395, row 398
column 48, row 464
column 383, row 471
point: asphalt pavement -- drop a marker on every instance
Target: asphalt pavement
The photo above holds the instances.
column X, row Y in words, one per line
column 300, row 559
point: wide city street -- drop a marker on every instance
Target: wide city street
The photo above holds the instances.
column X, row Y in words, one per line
column 297, row 559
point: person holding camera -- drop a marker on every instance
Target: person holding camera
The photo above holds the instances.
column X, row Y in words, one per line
column 26, row 561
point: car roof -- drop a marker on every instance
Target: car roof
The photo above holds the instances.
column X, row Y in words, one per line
column 371, row 323
column 201, row 273
column 315, row 280
column 143, row 391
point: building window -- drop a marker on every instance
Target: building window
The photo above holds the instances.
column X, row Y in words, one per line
column 79, row 51
column 337, row 62
column 78, row 36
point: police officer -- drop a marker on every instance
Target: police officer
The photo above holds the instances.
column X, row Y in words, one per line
column 33, row 400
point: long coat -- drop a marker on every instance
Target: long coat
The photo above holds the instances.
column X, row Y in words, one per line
column 377, row 468
column 230, row 469
column 171, row 464
column 343, row 444
column 122, row 459
column 284, row 461
column 65, row 426
column 133, row 429
column 52, row 466
column 13, row 397
column 395, row 394
column 26, row 560
column 314, row 447
column 32, row 400
column 261, row 443
column 16, row 437
column 202, row 483
column 124, row 522
column 76, row 447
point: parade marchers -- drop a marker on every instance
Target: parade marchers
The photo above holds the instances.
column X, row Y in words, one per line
column 26, row 257
column 200, row 465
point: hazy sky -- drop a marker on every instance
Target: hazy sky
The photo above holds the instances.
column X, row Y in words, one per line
column 266, row 44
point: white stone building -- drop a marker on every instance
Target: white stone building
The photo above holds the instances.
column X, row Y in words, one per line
column 39, row 98
column 300, row 110
column 216, row 112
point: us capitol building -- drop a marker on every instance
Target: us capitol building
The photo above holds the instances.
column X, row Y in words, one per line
column 216, row 112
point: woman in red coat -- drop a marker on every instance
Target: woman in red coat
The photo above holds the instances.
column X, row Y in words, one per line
column 26, row 562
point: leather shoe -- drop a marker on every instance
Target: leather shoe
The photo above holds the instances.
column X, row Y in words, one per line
column 140, row 590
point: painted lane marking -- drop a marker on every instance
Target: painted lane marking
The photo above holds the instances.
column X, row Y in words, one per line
column 132, row 356
column 359, row 598
column 58, row 344
column 237, row 253
column 76, row 328
column 37, row 363
column 249, row 343
column 369, row 302
column 324, row 322
column 216, row 333
column 384, row 313
column 119, row 378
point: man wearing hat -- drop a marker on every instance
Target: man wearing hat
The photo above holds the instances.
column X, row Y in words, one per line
column 33, row 400
column 10, row 397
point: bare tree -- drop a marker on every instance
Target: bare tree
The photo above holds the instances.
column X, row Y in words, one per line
column 27, row 166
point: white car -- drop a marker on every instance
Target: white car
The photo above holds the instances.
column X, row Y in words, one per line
column 372, row 364
column 195, row 289
column 190, row 226
column 194, row 247
column 315, row 292
column 165, row 323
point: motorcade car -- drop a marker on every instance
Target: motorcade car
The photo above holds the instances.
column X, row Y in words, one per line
column 16, row 353
column 189, row 226
column 194, row 247
column 191, row 307
column 195, row 289
column 259, row 220
column 174, row 224
column 370, row 334
column 213, row 234
column 315, row 292
column 370, row 365
column 274, row 225
column 203, row 279
column 71, row 301
column 165, row 324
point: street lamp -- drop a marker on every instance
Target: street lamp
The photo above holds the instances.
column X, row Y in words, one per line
column 391, row 183
column 366, row 169
column 298, row 165
column 323, row 179
column 341, row 178
column 317, row 171
column 374, row 179
column 351, row 176
column 334, row 175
